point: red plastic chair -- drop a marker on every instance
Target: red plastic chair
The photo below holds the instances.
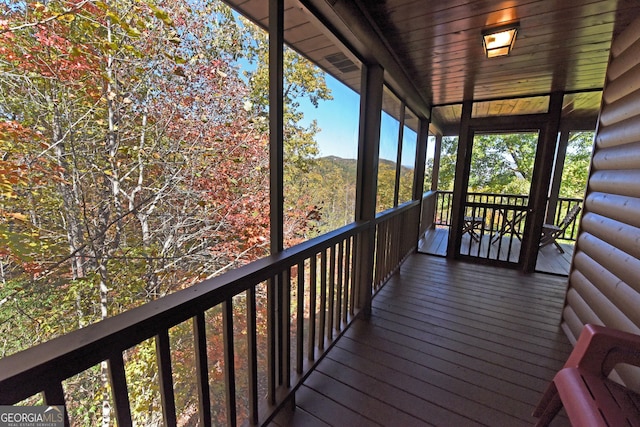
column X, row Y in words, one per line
column 582, row 386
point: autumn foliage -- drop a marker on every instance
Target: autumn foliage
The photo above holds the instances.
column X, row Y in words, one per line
column 134, row 162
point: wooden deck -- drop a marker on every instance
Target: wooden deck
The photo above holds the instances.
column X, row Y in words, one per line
column 550, row 260
column 448, row 344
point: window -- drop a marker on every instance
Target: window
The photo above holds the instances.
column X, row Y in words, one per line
column 407, row 163
column 388, row 154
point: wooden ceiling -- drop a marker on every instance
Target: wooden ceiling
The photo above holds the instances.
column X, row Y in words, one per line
column 433, row 57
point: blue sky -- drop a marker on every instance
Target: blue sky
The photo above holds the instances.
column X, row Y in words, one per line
column 337, row 119
column 338, row 123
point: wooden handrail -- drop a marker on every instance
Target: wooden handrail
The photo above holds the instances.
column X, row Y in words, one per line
column 43, row 368
column 62, row 357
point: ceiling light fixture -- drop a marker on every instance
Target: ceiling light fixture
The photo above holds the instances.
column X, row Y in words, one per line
column 498, row 41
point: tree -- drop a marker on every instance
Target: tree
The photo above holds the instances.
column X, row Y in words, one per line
column 302, row 79
column 448, row 156
column 504, row 163
column 136, row 163
column 576, row 165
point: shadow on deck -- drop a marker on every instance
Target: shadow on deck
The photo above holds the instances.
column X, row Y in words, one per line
column 448, row 343
column 550, row 260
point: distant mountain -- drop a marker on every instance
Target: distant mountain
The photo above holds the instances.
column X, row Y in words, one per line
column 351, row 165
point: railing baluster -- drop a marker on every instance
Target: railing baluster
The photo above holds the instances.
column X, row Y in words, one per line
column 515, row 227
column 313, row 283
column 54, row 396
column 163, row 354
column 332, row 292
column 482, row 231
column 202, row 369
column 229, row 361
column 252, row 346
column 492, row 233
column 339, row 285
column 323, row 298
column 559, row 212
column 272, row 335
column 347, row 280
column 380, row 244
column 118, row 382
column 300, row 320
column 355, row 275
column 286, row 328
column 475, row 214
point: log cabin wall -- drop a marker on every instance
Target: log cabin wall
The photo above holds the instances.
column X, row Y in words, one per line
column 604, row 281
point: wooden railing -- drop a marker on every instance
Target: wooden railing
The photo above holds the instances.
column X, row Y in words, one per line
column 324, row 275
column 428, row 211
column 396, row 236
column 443, row 205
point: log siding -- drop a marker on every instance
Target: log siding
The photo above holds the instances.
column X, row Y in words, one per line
column 604, row 280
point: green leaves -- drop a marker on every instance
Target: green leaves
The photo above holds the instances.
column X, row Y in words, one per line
column 162, row 15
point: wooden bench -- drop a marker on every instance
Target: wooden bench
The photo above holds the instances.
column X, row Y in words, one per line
column 582, row 387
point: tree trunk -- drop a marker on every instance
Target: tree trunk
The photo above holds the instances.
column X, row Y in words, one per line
column 71, row 214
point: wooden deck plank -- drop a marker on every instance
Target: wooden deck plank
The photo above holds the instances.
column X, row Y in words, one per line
column 481, row 337
column 423, row 412
column 499, row 356
column 313, row 399
column 300, row 418
column 545, row 310
column 436, row 314
column 373, row 410
column 454, row 372
column 462, row 398
column 448, row 343
column 489, row 297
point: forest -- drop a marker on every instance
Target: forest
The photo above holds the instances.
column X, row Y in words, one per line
column 503, row 163
column 135, row 162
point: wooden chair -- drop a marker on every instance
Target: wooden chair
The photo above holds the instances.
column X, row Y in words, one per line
column 552, row 232
column 582, row 387
column 473, row 225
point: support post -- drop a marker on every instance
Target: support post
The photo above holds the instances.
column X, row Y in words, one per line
column 276, row 124
column 276, row 194
column 366, row 189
